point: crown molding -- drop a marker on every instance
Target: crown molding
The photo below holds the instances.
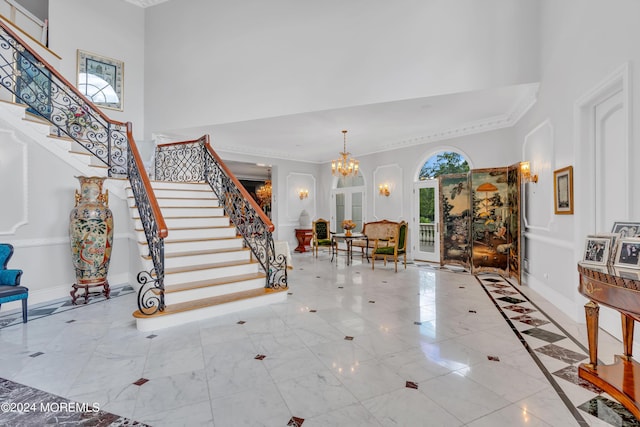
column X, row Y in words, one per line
column 146, row 3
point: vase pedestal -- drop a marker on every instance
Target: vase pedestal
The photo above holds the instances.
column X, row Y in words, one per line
column 105, row 290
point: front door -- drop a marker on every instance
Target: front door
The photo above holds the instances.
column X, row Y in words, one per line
column 425, row 236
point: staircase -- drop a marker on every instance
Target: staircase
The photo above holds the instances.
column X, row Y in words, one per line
column 208, row 270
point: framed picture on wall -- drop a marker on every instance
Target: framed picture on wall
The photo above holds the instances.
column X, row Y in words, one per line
column 628, row 253
column 101, row 79
column 596, row 250
column 563, row 191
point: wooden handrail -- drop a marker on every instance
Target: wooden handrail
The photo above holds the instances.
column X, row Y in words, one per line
column 263, row 216
column 162, row 226
column 55, row 72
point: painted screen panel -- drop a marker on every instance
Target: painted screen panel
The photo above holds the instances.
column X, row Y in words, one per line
column 455, row 202
column 513, row 230
column 489, row 221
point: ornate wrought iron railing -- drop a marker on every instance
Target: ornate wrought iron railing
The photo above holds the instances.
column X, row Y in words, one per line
column 47, row 94
column 197, row 161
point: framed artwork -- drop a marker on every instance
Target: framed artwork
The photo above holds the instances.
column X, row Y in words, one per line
column 101, row 79
column 628, row 253
column 563, row 191
column 626, row 229
column 596, row 250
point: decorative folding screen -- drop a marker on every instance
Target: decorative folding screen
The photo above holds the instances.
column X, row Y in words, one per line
column 455, row 199
column 513, row 201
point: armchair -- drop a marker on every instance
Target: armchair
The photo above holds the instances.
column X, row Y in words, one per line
column 10, row 289
column 396, row 246
column 321, row 235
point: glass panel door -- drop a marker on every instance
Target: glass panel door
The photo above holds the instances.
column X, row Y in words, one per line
column 426, row 234
column 349, row 204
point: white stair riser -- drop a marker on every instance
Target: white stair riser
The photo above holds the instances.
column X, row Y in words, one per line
column 210, row 273
column 158, row 185
column 161, row 322
column 178, row 194
column 212, row 291
column 202, row 245
column 182, row 203
column 186, row 261
column 188, row 211
column 173, row 223
column 202, row 233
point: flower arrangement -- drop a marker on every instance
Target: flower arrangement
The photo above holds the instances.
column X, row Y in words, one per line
column 347, row 224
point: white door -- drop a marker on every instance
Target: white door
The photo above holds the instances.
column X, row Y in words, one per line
column 425, row 235
column 347, row 204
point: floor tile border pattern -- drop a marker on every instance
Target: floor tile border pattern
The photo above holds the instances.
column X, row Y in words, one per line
column 50, row 308
column 622, row 412
column 574, row 411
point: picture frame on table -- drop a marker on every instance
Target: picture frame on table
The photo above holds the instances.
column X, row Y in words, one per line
column 626, row 229
column 101, row 79
column 628, row 253
column 563, row 191
column 627, row 273
column 596, row 250
column 613, row 238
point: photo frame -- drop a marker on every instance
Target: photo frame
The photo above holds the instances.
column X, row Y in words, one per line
column 613, row 237
column 627, row 273
column 628, row 253
column 596, row 250
column 626, row 229
column 101, row 79
column 563, row 191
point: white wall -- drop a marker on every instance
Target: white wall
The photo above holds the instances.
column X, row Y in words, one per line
column 233, row 61
column 114, row 29
column 41, row 241
column 582, row 42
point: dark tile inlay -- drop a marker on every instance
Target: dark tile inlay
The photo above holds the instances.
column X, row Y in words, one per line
column 289, row 293
column 519, row 309
column 461, row 287
column 417, row 323
column 260, row 357
column 499, row 285
column 562, row 353
column 348, row 338
column 384, row 281
column 152, row 336
column 340, row 287
column 141, row 381
column 241, row 322
column 70, row 321
column 36, row 354
column 295, row 422
column 492, row 280
column 570, row 373
column 610, row 412
column 411, row 384
column 318, row 277
column 313, row 311
column 472, row 311
column 544, row 335
column 511, row 300
column 493, row 358
column 505, row 292
column 371, row 302
column 525, row 318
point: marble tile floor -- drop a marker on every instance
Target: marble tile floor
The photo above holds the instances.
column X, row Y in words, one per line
column 351, row 346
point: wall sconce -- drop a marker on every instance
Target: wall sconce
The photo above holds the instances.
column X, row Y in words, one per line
column 384, row 190
column 303, row 193
column 525, row 172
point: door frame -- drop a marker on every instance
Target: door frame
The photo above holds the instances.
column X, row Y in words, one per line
column 415, row 234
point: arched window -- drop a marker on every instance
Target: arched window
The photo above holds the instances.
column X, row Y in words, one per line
column 445, row 162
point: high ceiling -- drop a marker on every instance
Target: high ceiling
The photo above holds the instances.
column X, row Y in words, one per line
column 317, row 136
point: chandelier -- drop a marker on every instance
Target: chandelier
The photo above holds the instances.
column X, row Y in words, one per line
column 264, row 193
column 345, row 166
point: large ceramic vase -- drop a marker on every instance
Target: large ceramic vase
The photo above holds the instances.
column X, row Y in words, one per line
column 91, row 234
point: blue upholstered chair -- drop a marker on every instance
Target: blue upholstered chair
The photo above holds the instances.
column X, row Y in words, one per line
column 10, row 289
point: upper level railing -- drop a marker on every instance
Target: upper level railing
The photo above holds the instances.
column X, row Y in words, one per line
column 197, row 161
column 34, row 27
column 47, row 94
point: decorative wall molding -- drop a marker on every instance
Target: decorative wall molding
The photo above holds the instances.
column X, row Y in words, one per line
column 295, row 181
column 564, row 244
column 23, row 162
column 390, row 207
column 537, row 195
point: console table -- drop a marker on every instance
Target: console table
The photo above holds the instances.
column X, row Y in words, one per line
column 303, row 235
column 620, row 290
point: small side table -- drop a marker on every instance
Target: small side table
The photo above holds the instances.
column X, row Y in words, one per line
column 304, row 236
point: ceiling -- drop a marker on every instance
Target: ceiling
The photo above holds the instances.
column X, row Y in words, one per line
column 316, row 137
